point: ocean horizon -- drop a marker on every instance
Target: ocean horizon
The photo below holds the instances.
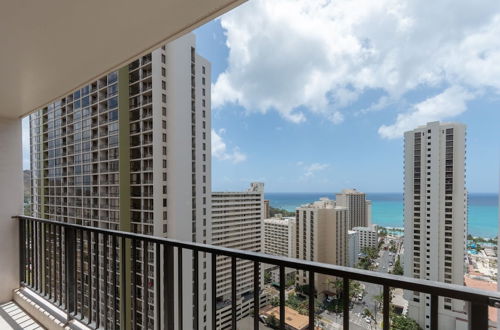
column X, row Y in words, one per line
column 387, row 209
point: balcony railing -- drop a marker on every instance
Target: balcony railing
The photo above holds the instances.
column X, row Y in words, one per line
column 67, row 264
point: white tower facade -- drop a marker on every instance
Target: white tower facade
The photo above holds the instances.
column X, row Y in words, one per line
column 435, row 215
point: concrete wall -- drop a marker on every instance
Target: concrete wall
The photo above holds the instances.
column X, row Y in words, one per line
column 11, row 203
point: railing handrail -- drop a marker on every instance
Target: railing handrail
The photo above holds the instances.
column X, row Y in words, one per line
column 455, row 291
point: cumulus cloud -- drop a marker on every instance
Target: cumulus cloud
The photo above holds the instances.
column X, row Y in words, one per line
column 299, row 57
column 219, row 149
column 449, row 103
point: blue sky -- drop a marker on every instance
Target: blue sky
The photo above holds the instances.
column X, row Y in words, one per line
column 316, row 151
column 313, row 96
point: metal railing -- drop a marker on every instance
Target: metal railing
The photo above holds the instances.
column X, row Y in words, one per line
column 67, row 264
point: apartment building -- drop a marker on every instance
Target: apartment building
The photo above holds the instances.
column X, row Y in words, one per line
column 130, row 151
column 321, row 235
column 279, row 240
column 267, row 209
column 359, row 208
column 237, row 223
column 360, row 238
column 435, row 215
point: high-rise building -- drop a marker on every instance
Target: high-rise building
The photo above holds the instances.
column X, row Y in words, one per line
column 130, row 151
column 359, row 208
column 435, row 215
column 360, row 238
column 279, row 240
column 237, row 223
column 279, row 236
column 321, row 235
column 267, row 209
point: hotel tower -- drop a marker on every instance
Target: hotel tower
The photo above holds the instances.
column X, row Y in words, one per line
column 435, row 215
column 130, row 151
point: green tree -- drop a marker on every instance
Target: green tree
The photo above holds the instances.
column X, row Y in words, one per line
column 275, row 301
column 274, row 211
column 398, row 269
column 400, row 322
column 272, row 321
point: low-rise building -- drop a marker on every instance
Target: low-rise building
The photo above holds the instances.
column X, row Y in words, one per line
column 358, row 239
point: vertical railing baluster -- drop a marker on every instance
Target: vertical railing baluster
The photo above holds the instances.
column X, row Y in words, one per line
column 256, row 295
column 145, row 289
column 282, row 297
column 36, row 252
column 90, row 266
column 22, row 243
column 53, row 259
column 98, row 280
column 157, row 284
column 168, row 286
column 60, row 262
column 115, row 263
column 105, row 277
column 233, row 292
column 214, row 290
column 196, row 287
column 345, row 302
column 82, row 285
column 134, row 283
column 70, row 255
column 311, row 299
column 478, row 316
column 179, row 288
column 434, row 311
column 386, row 306
column 30, row 252
column 123, row 284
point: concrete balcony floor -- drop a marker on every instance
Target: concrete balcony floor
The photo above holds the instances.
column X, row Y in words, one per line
column 14, row 317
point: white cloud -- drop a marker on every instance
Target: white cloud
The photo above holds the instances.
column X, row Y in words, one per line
column 449, row 103
column 310, row 170
column 219, row 149
column 299, row 57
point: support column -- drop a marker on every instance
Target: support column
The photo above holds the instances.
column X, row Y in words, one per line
column 11, row 203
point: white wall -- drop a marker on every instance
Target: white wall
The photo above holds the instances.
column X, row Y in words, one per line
column 11, row 203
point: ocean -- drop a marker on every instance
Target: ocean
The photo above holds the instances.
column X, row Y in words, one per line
column 387, row 209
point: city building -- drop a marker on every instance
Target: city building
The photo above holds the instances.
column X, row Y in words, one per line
column 359, row 208
column 321, row 235
column 131, row 151
column 360, row 238
column 267, row 210
column 237, row 223
column 279, row 240
column 435, row 215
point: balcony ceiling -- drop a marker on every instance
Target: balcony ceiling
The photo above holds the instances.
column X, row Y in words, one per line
column 50, row 47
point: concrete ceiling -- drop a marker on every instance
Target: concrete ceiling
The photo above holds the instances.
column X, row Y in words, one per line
column 50, row 47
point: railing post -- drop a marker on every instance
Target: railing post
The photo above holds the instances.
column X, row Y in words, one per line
column 22, row 251
column 434, row 312
column 345, row 302
column 478, row 316
column 386, row 306
column 70, row 266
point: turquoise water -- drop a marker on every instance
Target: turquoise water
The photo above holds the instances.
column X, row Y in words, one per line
column 387, row 209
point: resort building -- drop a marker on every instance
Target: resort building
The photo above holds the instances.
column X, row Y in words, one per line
column 131, row 151
column 321, row 235
column 435, row 215
column 359, row 208
column 237, row 222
